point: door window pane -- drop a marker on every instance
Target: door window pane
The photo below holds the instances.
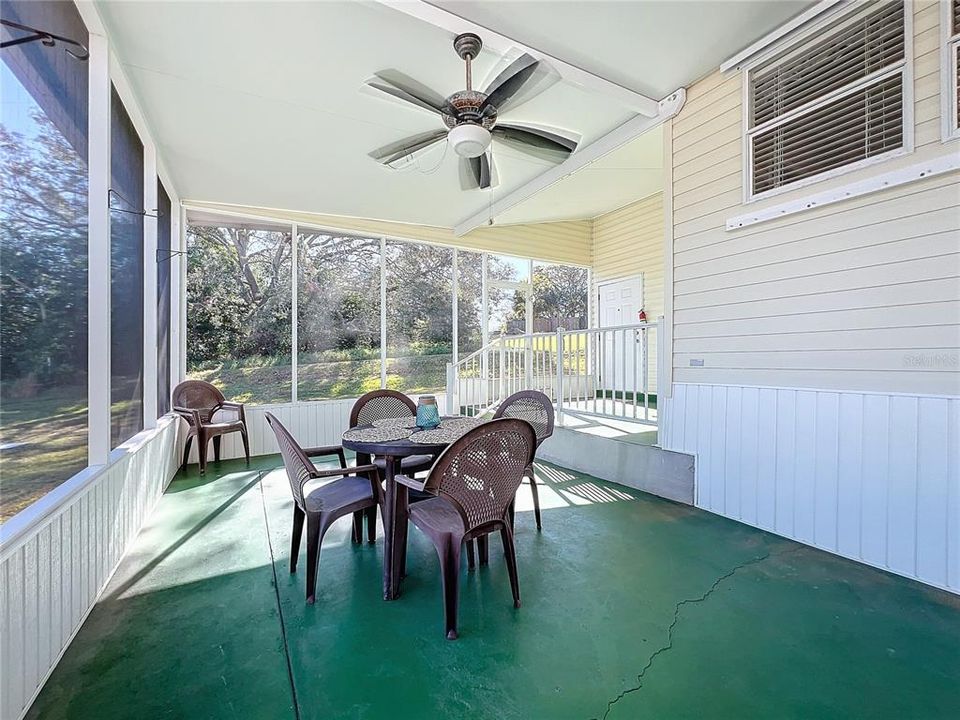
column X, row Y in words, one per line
column 164, row 268
column 338, row 308
column 239, row 310
column 43, row 258
column 419, row 316
column 126, row 275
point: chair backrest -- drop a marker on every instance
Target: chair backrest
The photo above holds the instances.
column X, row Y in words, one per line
column 532, row 406
column 198, row 395
column 380, row 405
column 295, row 461
column 480, row 472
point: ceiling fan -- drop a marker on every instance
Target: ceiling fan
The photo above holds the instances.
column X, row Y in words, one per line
column 472, row 118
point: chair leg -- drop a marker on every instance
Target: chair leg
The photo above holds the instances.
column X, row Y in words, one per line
column 536, row 499
column 202, row 444
column 450, row 569
column 186, row 451
column 315, row 529
column 471, row 561
column 357, row 536
column 371, row 513
column 216, row 449
column 246, row 444
column 295, row 540
column 510, row 553
column 483, row 549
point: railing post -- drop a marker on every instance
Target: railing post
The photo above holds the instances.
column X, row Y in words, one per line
column 452, row 408
column 560, row 375
column 503, row 370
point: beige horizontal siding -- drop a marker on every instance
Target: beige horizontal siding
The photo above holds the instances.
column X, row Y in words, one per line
column 859, row 295
column 563, row 242
column 629, row 242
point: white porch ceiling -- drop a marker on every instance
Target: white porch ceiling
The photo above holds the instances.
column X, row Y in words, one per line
column 260, row 103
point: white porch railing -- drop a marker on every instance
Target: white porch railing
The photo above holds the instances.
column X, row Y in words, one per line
column 601, row 371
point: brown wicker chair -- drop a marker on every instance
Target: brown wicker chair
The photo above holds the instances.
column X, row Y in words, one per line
column 381, row 405
column 474, row 482
column 537, row 409
column 356, row 492
column 209, row 416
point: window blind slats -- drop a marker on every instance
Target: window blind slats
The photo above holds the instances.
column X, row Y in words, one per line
column 857, row 65
column 866, row 123
column 852, row 53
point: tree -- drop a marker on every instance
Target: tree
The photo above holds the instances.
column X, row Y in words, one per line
column 43, row 254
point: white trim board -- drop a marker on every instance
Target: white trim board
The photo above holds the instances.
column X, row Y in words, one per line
column 893, row 178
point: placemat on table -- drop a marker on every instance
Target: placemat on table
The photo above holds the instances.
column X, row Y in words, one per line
column 403, row 422
column 377, row 434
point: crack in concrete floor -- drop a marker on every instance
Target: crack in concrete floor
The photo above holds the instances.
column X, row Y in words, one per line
column 676, row 619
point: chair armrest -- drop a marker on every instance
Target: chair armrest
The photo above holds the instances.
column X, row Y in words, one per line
column 410, row 482
column 336, row 472
column 327, row 450
column 188, row 414
column 235, row 406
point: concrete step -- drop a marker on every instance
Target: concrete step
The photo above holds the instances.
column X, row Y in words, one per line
column 640, row 466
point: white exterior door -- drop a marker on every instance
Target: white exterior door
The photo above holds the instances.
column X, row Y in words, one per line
column 619, row 304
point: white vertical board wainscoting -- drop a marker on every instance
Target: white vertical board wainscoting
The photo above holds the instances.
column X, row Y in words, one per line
column 53, row 571
column 869, row 476
column 311, row 423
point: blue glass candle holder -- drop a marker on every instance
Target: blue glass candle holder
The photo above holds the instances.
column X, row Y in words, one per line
column 428, row 416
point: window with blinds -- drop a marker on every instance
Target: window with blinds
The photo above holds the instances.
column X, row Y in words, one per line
column 829, row 103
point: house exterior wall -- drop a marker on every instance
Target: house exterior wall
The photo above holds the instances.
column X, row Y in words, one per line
column 629, row 242
column 562, row 242
column 826, row 405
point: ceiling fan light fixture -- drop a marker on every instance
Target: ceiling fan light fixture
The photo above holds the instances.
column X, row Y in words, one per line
column 469, row 140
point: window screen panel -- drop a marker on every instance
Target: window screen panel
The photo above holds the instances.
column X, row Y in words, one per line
column 43, row 257
column 126, row 275
column 164, row 270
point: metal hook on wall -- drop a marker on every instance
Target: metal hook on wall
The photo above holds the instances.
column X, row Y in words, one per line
column 169, row 254
column 48, row 39
column 143, row 213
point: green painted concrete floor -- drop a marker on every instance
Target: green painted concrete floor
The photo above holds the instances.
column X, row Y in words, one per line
column 633, row 607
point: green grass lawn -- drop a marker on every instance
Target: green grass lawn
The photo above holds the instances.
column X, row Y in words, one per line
column 52, row 430
column 323, row 377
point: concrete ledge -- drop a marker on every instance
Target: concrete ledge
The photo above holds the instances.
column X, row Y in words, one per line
column 642, row 467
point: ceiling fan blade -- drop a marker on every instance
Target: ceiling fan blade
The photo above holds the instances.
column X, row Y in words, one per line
column 518, row 82
column 403, row 87
column 480, row 172
column 536, row 140
column 407, row 147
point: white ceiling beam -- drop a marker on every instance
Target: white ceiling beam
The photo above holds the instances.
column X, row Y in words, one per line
column 446, row 20
column 668, row 107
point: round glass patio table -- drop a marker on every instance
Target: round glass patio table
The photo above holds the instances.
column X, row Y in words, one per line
column 396, row 494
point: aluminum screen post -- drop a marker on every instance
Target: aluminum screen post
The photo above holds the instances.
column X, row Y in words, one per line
column 560, row 375
column 451, row 389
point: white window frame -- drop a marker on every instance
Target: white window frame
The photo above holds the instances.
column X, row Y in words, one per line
column 826, row 23
column 949, row 47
